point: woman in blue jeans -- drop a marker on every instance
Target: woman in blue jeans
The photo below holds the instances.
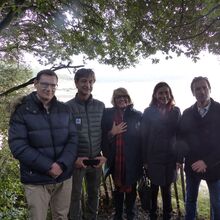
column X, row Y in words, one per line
column 159, row 126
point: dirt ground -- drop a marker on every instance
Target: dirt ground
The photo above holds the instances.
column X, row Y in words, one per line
column 107, row 213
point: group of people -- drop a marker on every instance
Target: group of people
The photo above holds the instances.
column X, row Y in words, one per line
column 63, row 147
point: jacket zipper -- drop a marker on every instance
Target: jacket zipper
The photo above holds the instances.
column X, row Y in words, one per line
column 89, row 133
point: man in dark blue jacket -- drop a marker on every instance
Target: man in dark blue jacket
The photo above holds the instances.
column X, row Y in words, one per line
column 44, row 140
column 199, row 132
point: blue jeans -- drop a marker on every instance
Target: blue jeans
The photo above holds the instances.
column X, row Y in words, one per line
column 192, row 190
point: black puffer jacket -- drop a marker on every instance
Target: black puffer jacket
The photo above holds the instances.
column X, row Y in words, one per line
column 38, row 139
column 202, row 140
column 88, row 116
column 132, row 143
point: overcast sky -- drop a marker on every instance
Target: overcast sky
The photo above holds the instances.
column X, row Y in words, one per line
column 140, row 81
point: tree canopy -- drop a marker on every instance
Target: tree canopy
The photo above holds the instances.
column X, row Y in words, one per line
column 116, row 32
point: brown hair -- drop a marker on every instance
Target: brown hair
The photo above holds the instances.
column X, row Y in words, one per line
column 196, row 79
column 120, row 92
column 47, row 72
column 83, row 72
column 154, row 101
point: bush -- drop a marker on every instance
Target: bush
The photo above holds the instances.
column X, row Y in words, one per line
column 12, row 201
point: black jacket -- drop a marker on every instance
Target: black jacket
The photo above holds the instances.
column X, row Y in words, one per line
column 201, row 137
column 158, row 141
column 38, row 138
column 133, row 162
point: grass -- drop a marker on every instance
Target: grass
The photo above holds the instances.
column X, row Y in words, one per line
column 178, row 205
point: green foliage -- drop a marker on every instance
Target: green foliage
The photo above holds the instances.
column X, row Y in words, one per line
column 116, row 32
column 12, row 202
column 203, row 202
column 11, row 75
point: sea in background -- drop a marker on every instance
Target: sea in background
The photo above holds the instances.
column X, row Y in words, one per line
column 140, row 80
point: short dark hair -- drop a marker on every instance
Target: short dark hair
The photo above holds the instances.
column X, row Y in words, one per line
column 83, row 72
column 198, row 78
column 46, row 72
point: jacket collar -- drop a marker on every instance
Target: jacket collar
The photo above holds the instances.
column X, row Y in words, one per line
column 82, row 102
column 34, row 103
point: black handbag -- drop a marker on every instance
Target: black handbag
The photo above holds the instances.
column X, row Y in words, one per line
column 144, row 191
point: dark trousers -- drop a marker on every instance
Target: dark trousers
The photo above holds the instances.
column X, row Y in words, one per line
column 92, row 179
column 129, row 199
column 166, row 198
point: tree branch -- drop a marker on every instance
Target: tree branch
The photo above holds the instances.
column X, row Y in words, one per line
column 200, row 33
column 31, row 81
column 11, row 14
column 198, row 18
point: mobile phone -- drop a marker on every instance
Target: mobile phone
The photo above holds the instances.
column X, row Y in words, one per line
column 91, row 162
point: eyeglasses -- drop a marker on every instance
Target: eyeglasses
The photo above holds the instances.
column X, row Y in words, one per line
column 121, row 97
column 45, row 85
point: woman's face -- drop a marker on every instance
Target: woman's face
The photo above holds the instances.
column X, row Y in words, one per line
column 163, row 95
column 121, row 101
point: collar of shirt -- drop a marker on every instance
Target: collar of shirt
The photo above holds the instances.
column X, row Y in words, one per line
column 203, row 111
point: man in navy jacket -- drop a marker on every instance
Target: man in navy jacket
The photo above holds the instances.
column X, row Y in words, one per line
column 199, row 133
column 43, row 138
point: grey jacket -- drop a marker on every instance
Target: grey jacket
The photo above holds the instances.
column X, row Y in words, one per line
column 88, row 116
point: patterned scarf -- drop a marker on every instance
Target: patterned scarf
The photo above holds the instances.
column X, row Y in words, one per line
column 119, row 172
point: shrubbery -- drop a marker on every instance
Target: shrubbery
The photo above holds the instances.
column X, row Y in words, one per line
column 12, row 202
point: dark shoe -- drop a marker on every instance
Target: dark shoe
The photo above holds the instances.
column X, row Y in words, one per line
column 130, row 204
column 118, row 204
column 153, row 216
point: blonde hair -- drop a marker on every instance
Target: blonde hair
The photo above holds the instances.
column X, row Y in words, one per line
column 120, row 92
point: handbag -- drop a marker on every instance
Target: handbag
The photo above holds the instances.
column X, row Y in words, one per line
column 144, row 191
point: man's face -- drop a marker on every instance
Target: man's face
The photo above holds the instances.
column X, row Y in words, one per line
column 85, row 86
column 46, row 87
column 201, row 91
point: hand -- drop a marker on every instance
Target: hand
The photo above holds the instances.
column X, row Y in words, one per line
column 118, row 129
column 101, row 159
column 199, row 166
column 79, row 162
column 55, row 170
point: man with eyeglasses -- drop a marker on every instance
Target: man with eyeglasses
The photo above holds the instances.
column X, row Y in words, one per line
column 43, row 139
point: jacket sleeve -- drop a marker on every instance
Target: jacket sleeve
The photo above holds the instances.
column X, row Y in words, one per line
column 106, row 138
column 181, row 146
column 20, row 148
column 69, row 154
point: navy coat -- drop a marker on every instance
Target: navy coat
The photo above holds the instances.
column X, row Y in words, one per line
column 158, row 141
column 133, row 162
column 38, row 139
